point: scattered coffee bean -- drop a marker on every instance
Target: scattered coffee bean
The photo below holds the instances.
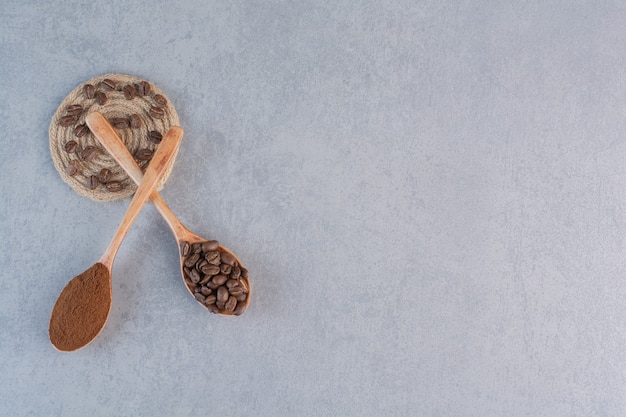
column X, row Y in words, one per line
column 67, row 120
column 92, row 182
column 155, row 137
column 101, row 98
column 89, row 153
column 144, row 88
column 157, row 112
column 108, row 85
column 74, row 109
column 104, row 175
column 217, row 276
column 160, row 100
column 144, row 154
column 70, row 146
column 129, row 92
column 81, row 130
column 113, row 186
column 120, row 122
column 135, row 121
column 72, row 168
column 89, row 91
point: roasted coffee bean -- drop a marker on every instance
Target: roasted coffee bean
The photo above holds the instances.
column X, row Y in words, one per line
column 81, row 130
column 68, row 120
column 129, row 92
column 135, row 121
column 240, row 309
column 244, row 272
column 191, row 260
column 74, row 109
column 184, row 249
column 89, row 153
column 194, row 276
column 155, row 137
column 220, row 279
column 209, row 246
column 160, row 100
column 214, row 257
column 114, row 186
column 202, row 262
column 225, row 268
column 120, row 122
column 230, row 304
column 236, row 291
column 144, row 154
column 201, row 298
column 235, row 272
column 72, row 168
column 196, row 248
column 92, row 182
column 89, row 91
column 108, row 85
column 210, row 269
column 70, row 146
column 101, row 98
column 157, row 112
column 227, row 258
column 143, row 88
column 104, row 175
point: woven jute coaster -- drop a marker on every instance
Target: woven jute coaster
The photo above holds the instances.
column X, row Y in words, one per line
column 139, row 111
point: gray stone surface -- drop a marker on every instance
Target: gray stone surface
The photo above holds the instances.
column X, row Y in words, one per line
column 430, row 197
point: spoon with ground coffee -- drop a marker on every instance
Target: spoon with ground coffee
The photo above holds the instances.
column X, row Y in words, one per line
column 83, row 306
column 213, row 275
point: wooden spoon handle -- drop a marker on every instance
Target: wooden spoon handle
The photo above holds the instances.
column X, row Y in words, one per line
column 104, row 132
column 162, row 157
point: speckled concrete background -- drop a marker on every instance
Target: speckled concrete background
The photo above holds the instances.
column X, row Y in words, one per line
column 430, row 197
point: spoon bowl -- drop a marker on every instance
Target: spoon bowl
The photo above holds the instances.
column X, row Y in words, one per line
column 83, row 307
column 234, row 276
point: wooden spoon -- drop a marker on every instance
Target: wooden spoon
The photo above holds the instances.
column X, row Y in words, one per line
column 83, row 306
column 187, row 240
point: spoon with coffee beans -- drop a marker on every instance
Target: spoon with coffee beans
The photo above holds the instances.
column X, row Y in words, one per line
column 83, row 306
column 213, row 275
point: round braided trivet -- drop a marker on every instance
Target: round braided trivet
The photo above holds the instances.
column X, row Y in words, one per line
column 136, row 108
